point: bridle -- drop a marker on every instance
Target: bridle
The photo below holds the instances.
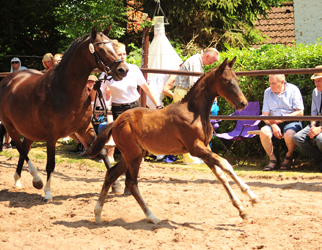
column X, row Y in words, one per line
column 108, row 69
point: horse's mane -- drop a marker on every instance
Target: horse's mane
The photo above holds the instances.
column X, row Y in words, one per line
column 196, row 85
column 75, row 43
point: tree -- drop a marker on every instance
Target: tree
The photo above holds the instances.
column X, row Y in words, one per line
column 29, row 29
column 213, row 22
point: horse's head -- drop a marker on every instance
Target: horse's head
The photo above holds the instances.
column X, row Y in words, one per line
column 229, row 86
column 105, row 57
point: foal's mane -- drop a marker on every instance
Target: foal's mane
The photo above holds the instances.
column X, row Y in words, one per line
column 197, row 85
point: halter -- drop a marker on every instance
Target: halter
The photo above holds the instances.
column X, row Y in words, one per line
column 98, row 59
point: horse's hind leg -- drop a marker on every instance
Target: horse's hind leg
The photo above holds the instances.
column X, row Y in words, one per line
column 117, row 187
column 26, row 144
column 111, row 175
column 132, row 185
column 23, row 151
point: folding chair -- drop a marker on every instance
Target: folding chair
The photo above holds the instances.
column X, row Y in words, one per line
column 240, row 131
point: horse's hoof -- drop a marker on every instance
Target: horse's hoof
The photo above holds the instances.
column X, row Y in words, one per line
column 256, row 200
column 117, row 190
column 38, row 184
column 98, row 219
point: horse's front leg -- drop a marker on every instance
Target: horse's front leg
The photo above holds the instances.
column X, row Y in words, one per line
column 226, row 167
column 49, row 168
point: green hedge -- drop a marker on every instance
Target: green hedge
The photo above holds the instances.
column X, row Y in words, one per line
column 273, row 57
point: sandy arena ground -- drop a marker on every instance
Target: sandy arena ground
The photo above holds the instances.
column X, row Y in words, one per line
column 195, row 210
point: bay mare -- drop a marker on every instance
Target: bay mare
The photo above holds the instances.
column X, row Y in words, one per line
column 179, row 128
column 48, row 106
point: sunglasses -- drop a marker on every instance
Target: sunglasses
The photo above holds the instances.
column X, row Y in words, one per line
column 14, row 62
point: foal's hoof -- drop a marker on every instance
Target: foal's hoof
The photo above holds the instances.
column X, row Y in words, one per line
column 38, row 184
column 244, row 216
column 255, row 200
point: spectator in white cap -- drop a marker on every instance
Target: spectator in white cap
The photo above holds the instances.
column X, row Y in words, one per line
column 309, row 139
column 16, row 65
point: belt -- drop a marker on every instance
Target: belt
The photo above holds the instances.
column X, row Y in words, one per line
column 124, row 104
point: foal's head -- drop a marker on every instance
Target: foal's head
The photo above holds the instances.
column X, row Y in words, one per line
column 228, row 85
column 106, row 58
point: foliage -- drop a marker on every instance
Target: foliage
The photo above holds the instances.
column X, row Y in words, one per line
column 30, row 29
column 72, row 13
column 146, row 23
column 213, row 22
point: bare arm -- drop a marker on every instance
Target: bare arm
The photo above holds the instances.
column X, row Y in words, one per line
column 168, row 85
column 147, row 91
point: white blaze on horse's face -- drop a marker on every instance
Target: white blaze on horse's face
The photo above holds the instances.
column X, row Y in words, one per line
column 109, row 45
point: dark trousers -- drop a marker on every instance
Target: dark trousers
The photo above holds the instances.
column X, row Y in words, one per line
column 119, row 109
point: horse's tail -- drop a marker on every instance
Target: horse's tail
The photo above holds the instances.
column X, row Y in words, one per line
column 100, row 140
column 2, row 133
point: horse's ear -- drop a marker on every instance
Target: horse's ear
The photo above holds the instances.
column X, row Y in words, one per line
column 94, row 32
column 223, row 65
column 106, row 31
column 232, row 62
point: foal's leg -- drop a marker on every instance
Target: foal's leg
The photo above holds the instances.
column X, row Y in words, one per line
column 132, row 185
column 117, row 187
column 226, row 167
column 111, row 175
column 26, row 144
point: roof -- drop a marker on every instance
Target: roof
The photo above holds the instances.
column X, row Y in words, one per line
column 279, row 25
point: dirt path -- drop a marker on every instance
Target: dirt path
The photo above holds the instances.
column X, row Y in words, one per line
column 196, row 212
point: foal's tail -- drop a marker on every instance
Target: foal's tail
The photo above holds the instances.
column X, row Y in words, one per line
column 100, row 140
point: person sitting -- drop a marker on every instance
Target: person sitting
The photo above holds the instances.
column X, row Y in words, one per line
column 16, row 65
column 309, row 139
column 280, row 99
column 57, row 58
column 48, row 61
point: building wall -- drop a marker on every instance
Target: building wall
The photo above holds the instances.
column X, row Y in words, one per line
column 308, row 20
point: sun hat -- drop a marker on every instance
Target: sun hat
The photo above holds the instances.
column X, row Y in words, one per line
column 317, row 75
column 15, row 59
column 92, row 78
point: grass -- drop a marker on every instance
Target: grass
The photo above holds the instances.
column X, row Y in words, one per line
column 252, row 168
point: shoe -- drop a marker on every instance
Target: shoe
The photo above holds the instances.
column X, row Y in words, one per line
column 111, row 159
column 270, row 168
column 78, row 149
column 84, row 153
column 100, row 161
column 288, row 164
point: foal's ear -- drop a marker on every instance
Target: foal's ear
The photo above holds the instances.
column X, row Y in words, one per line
column 232, row 62
column 94, row 32
column 223, row 65
column 106, row 31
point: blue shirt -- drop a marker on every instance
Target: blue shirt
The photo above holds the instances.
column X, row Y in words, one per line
column 285, row 103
